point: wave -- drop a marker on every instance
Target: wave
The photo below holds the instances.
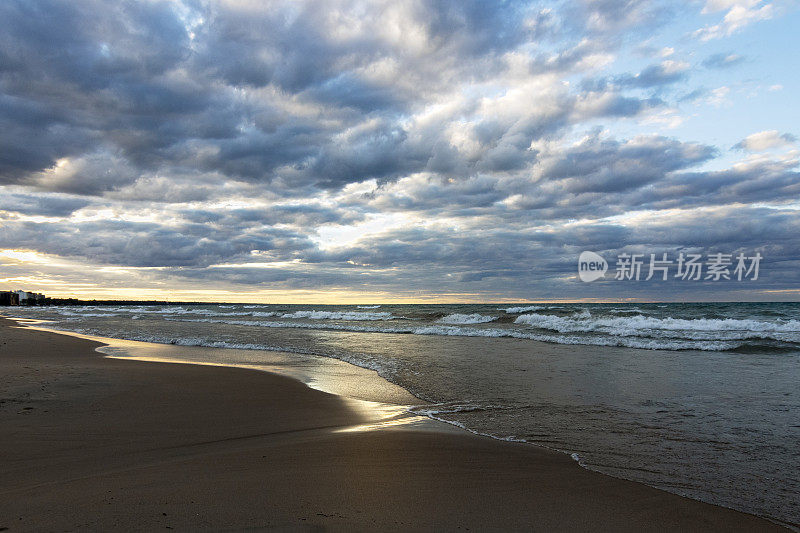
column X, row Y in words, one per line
column 514, row 310
column 384, row 367
column 575, row 332
column 585, row 325
column 339, row 315
column 647, row 326
column 459, row 318
column 87, row 315
column 435, row 409
column 180, row 341
column 295, row 325
column 456, row 331
column 624, row 309
column 368, row 306
column 116, row 311
column 627, row 342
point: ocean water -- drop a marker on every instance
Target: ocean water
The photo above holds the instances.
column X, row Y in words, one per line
column 698, row 399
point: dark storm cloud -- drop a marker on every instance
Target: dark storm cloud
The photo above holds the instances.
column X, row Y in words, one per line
column 304, row 217
column 291, row 45
column 597, row 178
column 446, row 247
column 656, row 183
column 74, row 72
column 760, row 182
column 153, row 245
column 594, row 177
column 610, row 166
column 43, row 205
column 164, row 87
column 33, row 136
column 549, row 257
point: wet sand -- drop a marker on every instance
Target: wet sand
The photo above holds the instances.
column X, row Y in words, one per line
column 88, row 442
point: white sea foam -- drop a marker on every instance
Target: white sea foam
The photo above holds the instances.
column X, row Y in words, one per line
column 384, row 367
column 295, row 325
column 593, row 340
column 459, row 318
column 368, row 306
column 86, row 315
column 140, row 310
column 177, row 341
column 433, row 414
column 339, row 315
column 645, row 326
column 454, row 407
column 172, row 310
column 625, row 310
column 455, row 331
column 514, row 310
column 637, row 331
column 206, row 312
column 578, row 459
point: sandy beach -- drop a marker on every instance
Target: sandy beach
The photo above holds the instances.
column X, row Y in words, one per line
column 95, row 443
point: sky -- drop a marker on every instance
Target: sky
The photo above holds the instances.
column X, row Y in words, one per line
column 401, row 151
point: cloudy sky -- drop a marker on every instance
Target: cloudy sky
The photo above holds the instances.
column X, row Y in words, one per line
column 332, row 151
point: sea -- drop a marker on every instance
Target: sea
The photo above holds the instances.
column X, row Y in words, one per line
column 699, row 399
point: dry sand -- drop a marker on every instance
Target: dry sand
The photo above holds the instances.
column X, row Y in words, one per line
column 93, row 443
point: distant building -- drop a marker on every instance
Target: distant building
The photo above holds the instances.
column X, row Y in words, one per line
column 22, row 298
column 9, row 298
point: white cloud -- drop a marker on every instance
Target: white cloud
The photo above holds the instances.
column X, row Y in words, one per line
column 719, row 96
column 740, row 13
column 674, row 67
column 666, row 51
column 766, row 140
column 712, row 6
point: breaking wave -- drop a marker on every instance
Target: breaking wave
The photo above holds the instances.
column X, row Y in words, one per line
column 339, row 315
column 640, row 326
column 455, row 331
column 514, row 310
column 644, row 326
column 459, row 318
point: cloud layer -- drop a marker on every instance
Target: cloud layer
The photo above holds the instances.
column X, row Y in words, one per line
column 469, row 149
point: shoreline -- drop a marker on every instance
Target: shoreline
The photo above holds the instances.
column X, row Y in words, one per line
column 318, row 450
